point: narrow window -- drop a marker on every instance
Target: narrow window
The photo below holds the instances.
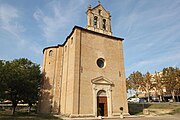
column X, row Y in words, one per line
column 104, row 24
column 50, row 53
column 95, row 22
column 65, row 48
column 99, row 12
column 72, row 40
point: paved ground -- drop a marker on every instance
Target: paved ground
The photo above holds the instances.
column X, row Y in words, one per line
column 174, row 117
column 163, row 117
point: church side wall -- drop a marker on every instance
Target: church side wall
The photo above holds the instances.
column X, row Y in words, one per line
column 77, row 42
column 49, row 65
column 120, row 88
column 68, row 77
column 124, row 80
column 57, row 81
column 64, row 81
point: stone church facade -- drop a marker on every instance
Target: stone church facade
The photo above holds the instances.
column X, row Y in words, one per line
column 85, row 76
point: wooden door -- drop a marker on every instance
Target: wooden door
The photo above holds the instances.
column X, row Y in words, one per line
column 102, row 106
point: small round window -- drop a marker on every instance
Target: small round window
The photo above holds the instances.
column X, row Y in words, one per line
column 101, row 62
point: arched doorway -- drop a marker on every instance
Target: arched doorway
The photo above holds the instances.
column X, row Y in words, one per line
column 102, row 109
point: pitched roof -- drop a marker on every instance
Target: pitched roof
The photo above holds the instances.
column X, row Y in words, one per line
column 77, row 27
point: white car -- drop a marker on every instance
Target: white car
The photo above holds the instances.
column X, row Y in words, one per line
column 133, row 100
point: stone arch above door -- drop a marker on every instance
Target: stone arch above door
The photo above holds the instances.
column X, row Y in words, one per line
column 101, row 93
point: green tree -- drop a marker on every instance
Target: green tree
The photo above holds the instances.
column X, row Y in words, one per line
column 21, row 79
column 1, row 78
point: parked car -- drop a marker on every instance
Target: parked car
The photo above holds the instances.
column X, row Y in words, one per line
column 170, row 100
column 133, row 100
column 141, row 100
column 155, row 99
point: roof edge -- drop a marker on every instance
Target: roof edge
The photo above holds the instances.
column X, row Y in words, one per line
column 78, row 27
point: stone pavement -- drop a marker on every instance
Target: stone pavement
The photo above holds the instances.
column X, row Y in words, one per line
column 163, row 117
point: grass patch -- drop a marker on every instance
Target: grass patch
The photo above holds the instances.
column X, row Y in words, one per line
column 24, row 115
column 175, row 111
column 164, row 106
column 137, row 108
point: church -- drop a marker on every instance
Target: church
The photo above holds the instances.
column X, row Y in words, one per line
column 85, row 76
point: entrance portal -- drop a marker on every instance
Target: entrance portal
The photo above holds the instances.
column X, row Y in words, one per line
column 102, row 103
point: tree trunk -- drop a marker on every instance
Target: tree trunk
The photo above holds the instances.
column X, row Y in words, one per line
column 29, row 110
column 160, row 98
column 173, row 97
column 14, row 105
column 163, row 99
column 177, row 98
column 148, row 96
column 30, row 106
column 13, row 110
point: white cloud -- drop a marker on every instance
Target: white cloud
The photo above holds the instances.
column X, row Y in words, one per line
column 50, row 25
column 8, row 13
column 53, row 18
column 60, row 17
column 151, row 35
column 38, row 15
column 156, row 60
column 9, row 16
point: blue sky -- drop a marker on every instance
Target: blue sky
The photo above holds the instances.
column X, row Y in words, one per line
column 151, row 29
